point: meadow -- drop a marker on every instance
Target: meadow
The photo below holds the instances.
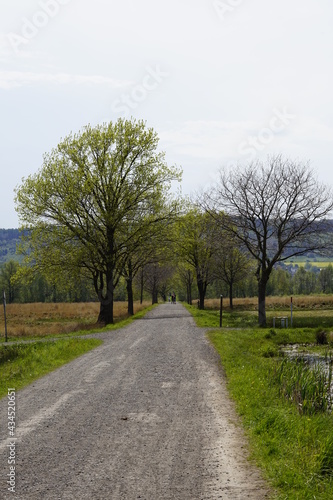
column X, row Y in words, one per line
column 307, row 311
column 316, row 262
column 38, row 320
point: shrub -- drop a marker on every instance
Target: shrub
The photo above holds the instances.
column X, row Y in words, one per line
column 321, row 337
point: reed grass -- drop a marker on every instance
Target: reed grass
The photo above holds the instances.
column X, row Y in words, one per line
column 308, row 387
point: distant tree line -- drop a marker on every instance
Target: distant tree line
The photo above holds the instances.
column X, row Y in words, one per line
column 157, row 282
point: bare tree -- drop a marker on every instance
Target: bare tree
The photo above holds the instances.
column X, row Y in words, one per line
column 276, row 209
column 232, row 265
column 157, row 280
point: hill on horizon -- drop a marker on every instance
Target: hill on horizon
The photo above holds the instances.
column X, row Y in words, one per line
column 9, row 239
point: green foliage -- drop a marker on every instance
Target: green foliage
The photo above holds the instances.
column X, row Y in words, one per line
column 100, row 197
column 196, row 247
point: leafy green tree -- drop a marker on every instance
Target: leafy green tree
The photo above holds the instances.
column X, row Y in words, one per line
column 280, row 282
column 186, row 278
column 157, row 279
column 325, row 279
column 7, row 273
column 154, row 248
column 304, row 282
column 196, row 247
column 93, row 203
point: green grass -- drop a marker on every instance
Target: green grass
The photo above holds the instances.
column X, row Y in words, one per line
column 294, row 450
column 21, row 364
column 317, row 262
column 308, row 318
column 211, row 318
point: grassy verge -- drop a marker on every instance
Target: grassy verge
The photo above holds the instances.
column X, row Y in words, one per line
column 23, row 363
column 294, row 449
column 318, row 313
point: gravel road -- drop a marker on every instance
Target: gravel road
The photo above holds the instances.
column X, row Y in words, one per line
column 144, row 416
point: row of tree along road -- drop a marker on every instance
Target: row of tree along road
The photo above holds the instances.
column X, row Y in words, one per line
column 101, row 208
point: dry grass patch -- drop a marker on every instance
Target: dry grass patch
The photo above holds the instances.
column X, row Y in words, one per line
column 313, row 302
column 42, row 319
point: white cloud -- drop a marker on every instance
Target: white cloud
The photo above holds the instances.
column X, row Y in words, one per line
column 207, row 139
column 14, row 79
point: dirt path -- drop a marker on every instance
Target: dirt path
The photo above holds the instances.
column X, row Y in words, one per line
column 145, row 416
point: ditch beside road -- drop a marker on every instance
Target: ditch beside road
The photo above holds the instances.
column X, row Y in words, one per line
column 146, row 415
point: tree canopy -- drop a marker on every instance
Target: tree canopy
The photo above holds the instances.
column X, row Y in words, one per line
column 96, row 199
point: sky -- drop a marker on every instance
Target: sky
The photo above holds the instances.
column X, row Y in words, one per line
column 222, row 82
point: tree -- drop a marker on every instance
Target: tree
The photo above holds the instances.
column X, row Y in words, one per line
column 152, row 249
column 186, row 277
column 275, row 209
column 93, row 203
column 196, row 247
column 304, row 282
column 231, row 265
column 7, row 273
column 280, row 282
column 325, row 279
column 157, row 280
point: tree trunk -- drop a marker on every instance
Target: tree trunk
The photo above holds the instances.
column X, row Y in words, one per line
column 130, row 300
column 155, row 296
column 141, row 286
column 129, row 287
column 262, row 302
column 189, row 288
column 106, row 302
column 189, row 293
column 202, row 293
column 231, row 291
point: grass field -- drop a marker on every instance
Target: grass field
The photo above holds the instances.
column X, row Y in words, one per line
column 308, row 311
column 51, row 319
column 317, row 262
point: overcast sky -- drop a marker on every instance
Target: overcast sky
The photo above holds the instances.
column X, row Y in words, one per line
column 222, row 82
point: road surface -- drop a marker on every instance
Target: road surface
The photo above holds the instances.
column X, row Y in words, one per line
column 144, row 416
